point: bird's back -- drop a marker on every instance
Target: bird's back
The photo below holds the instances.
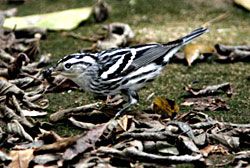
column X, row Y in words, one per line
column 131, row 68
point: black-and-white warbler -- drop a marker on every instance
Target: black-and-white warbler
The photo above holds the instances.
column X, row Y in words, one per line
column 120, row 70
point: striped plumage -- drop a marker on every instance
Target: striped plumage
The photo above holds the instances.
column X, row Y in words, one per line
column 121, row 70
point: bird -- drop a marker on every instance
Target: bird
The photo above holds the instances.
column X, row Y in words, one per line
column 120, row 70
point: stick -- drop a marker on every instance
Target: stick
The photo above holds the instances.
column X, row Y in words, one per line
column 62, row 113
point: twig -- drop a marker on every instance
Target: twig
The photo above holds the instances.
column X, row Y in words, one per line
column 133, row 154
column 85, row 38
column 62, row 113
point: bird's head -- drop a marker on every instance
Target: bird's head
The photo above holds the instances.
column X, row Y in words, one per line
column 71, row 66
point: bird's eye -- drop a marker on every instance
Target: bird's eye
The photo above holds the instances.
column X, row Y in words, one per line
column 67, row 65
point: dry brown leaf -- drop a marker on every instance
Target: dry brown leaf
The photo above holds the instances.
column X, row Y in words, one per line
column 194, row 51
column 101, row 10
column 214, row 149
column 165, row 106
column 125, row 122
column 16, row 67
column 21, row 158
column 85, row 142
column 119, row 34
column 80, row 124
column 206, row 103
column 7, row 88
column 189, row 144
column 59, row 145
column 16, row 128
column 211, row 90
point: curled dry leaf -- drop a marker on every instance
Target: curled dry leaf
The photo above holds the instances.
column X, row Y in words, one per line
column 6, row 57
column 16, row 128
column 7, row 88
column 197, row 51
column 228, row 53
column 101, row 10
column 210, row 90
column 125, row 122
column 58, row 83
column 231, row 141
column 189, row 144
column 206, row 103
column 61, row 114
column 33, row 113
column 31, row 145
column 165, row 106
column 119, row 34
column 10, row 114
column 16, row 67
column 59, row 145
column 214, row 149
column 33, row 49
column 136, row 155
column 184, row 127
column 80, row 124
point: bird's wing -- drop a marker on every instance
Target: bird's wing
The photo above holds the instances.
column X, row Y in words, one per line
column 119, row 62
column 152, row 54
column 113, row 62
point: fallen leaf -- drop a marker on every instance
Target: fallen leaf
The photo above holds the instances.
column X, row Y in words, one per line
column 85, row 142
column 62, row 20
column 169, row 150
column 195, row 51
column 214, row 149
column 119, row 34
column 243, row 3
column 21, row 158
column 230, row 141
column 16, row 128
column 189, row 144
column 59, row 145
column 206, row 103
column 210, row 90
column 33, row 113
column 46, row 158
column 165, row 106
column 101, row 10
column 125, row 122
column 80, row 124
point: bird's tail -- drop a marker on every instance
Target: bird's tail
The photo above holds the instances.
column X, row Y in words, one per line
column 194, row 34
column 186, row 39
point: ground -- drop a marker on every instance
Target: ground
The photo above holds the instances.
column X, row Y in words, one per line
column 160, row 21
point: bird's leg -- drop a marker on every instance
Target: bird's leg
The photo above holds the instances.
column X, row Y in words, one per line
column 132, row 99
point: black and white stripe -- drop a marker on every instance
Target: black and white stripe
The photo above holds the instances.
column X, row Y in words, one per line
column 122, row 69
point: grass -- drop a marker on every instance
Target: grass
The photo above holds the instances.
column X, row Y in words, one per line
column 160, row 21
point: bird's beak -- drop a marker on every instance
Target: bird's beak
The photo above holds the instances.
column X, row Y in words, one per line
column 56, row 70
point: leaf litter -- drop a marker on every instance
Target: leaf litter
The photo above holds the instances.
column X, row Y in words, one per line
column 156, row 137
